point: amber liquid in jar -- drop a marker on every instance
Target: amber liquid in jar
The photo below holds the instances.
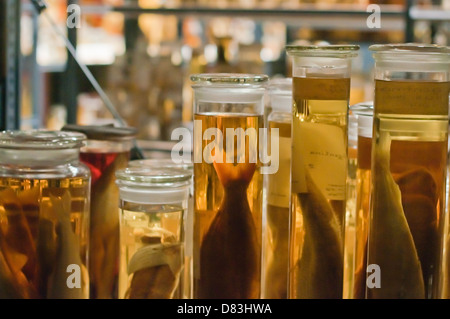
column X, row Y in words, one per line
column 152, row 253
column 319, row 170
column 227, row 216
column 363, row 186
column 44, row 237
column 408, row 173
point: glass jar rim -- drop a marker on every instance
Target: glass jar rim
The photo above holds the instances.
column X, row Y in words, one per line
column 414, row 48
column 325, row 50
column 103, row 132
column 153, row 177
column 160, row 163
column 37, row 139
column 363, row 108
column 234, row 79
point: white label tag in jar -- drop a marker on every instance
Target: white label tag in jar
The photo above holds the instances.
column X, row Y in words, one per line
column 323, row 153
column 156, row 255
column 279, row 186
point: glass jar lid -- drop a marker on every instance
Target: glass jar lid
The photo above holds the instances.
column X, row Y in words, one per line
column 410, row 48
column 325, row 50
column 156, row 177
column 103, row 132
column 414, row 57
column 228, row 79
column 40, row 140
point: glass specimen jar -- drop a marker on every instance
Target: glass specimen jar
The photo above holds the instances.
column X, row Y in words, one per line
column 349, row 242
column 276, row 220
column 363, row 113
column 321, row 90
column 106, row 150
column 152, row 205
column 409, row 158
column 228, row 185
column 44, row 216
column 188, row 216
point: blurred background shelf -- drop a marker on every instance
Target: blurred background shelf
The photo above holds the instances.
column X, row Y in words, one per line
column 433, row 13
column 142, row 52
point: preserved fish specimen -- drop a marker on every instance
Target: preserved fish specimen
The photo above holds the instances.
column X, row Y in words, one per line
column 228, row 215
column 152, row 232
column 149, row 250
column 104, row 226
column 393, row 251
column 107, row 149
column 409, row 160
column 321, row 91
column 42, row 233
column 319, row 169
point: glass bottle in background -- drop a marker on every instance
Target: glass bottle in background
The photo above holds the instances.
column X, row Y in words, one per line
column 106, row 150
column 168, row 163
column 152, row 206
column 364, row 119
column 409, row 160
column 228, row 185
column 44, row 216
column 321, row 90
column 276, row 220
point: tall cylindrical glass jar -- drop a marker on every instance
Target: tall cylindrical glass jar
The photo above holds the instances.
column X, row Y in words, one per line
column 363, row 113
column 228, row 186
column 152, row 206
column 278, row 190
column 321, row 91
column 106, row 150
column 409, row 158
column 44, row 215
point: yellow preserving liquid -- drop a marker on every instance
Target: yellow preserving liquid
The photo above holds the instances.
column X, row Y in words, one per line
column 152, row 253
column 350, row 222
column 44, row 237
column 408, row 174
column 363, row 187
column 319, row 172
column 227, row 216
column 276, row 250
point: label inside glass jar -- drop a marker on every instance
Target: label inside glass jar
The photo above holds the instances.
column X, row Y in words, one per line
column 412, row 97
column 322, row 152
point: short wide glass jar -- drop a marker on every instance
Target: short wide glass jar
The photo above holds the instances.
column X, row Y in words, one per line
column 152, row 205
column 44, row 216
